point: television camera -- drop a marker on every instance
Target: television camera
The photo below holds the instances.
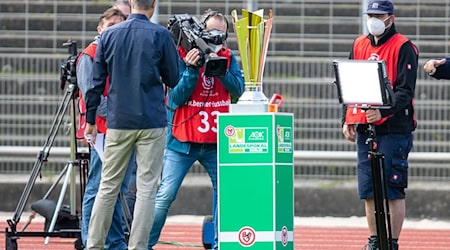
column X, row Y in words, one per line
column 188, row 32
column 68, row 72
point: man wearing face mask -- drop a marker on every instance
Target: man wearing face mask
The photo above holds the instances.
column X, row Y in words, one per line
column 393, row 126
column 192, row 110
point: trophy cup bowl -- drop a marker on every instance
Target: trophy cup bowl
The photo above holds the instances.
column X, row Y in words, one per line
column 252, row 35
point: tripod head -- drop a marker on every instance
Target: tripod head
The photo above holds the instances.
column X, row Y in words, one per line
column 371, row 140
column 68, row 74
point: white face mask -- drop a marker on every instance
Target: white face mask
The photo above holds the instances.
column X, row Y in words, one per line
column 376, row 26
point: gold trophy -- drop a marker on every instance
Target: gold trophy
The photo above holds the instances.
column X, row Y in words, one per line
column 252, row 35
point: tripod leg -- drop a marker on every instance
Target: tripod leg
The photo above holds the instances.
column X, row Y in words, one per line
column 73, row 155
column 386, row 201
column 126, row 212
column 69, row 172
column 84, row 170
column 378, row 192
column 50, row 190
column 10, row 240
column 379, row 188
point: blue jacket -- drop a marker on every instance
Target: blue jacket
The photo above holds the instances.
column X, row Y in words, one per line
column 233, row 81
column 139, row 56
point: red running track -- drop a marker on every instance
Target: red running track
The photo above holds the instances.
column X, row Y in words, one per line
column 306, row 238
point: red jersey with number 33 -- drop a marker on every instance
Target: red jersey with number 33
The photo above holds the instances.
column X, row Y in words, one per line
column 196, row 120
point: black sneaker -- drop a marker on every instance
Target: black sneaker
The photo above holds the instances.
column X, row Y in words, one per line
column 394, row 245
column 372, row 244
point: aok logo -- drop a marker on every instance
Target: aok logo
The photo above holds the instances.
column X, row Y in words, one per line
column 256, row 135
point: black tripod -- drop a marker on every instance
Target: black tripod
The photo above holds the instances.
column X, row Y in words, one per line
column 382, row 214
column 61, row 221
column 76, row 159
column 352, row 92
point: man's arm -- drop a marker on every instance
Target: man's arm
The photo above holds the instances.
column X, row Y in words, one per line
column 169, row 63
column 233, row 80
column 186, row 84
column 406, row 79
column 442, row 69
column 84, row 73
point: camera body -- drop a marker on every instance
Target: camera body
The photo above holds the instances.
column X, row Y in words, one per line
column 188, row 32
column 68, row 69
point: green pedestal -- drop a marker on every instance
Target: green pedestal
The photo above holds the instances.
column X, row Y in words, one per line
column 255, row 181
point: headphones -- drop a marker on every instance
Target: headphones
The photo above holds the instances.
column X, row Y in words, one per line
column 211, row 13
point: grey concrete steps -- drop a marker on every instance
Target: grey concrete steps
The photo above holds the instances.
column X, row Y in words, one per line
column 308, row 18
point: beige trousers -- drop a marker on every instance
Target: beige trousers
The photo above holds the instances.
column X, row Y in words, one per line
column 119, row 144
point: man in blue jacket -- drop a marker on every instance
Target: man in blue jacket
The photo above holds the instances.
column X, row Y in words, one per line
column 192, row 110
column 140, row 58
column 116, row 237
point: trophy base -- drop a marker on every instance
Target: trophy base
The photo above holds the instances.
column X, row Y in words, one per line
column 248, row 108
column 250, row 102
column 252, row 97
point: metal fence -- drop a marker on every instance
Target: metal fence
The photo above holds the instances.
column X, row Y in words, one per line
column 307, row 36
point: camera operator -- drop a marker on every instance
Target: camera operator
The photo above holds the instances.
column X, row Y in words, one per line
column 192, row 109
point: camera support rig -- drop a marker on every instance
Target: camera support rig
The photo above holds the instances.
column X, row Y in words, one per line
column 68, row 76
column 348, row 84
column 382, row 213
